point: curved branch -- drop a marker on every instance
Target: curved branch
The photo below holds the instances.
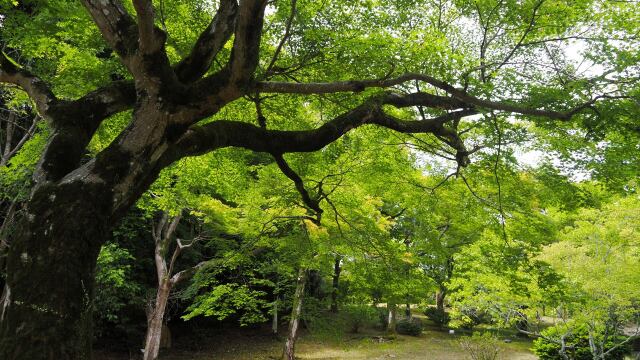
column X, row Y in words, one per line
column 285, row 37
column 222, row 133
column 519, row 44
column 97, row 105
column 360, row 85
column 313, row 204
column 37, row 89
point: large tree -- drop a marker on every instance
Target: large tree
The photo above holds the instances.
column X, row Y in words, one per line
column 457, row 59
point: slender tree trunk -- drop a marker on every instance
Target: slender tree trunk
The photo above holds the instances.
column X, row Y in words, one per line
column 440, row 294
column 155, row 322
column 336, row 282
column 392, row 320
column 407, row 311
column 48, row 294
column 296, row 311
column 274, row 321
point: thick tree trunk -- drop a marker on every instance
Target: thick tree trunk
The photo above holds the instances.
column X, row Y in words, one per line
column 296, row 311
column 48, row 296
column 336, row 282
column 155, row 322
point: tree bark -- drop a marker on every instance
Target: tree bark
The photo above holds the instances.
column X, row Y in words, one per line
column 296, row 311
column 48, row 295
column 274, row 320
column 440, row 295
column 155, row 322
column 336, row 282
column 392, row 320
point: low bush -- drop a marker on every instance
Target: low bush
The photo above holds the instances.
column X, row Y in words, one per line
column 382, row 318
column 360, row 316
column 481, row 346
column 411, row 326
column 549, row 345
column 460, row 320
column 467, row 318
column 439, row 317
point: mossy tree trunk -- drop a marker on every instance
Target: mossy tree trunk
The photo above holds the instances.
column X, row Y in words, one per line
column 47, row 303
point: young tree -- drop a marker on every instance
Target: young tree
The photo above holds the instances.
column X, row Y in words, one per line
column 169, row 86
column 164, row 236
column 598, row 254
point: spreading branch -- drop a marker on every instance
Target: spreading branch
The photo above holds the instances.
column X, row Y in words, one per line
column 163, row 233
column 147, row 40
column 96, row 106
column 246, row 45
column 210, row 42
column 311, row 203
column 224, row 133
column 360, row 85
column 116, row 25
column 285, row 37
column 37, row 89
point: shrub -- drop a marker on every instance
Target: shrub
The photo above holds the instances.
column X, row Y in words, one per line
column 359, row 316
column 460, row 320
column 383, row 318
column 481, row 346
column 439, row 317
column 467, row 318
column 411, row 326
column 548, row 346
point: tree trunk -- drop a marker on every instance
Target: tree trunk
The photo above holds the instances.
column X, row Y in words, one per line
column 274, row 322
column 289, row 346
column 407, row 311
column 392, row 320
column 154, row 328
column 440, row 294
column 336, row 282
column 46, row 311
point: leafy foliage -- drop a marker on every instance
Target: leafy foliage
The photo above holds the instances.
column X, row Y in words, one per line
column 411, row 326
column 439, row 317
column 577, row 344
column 115, row 291
column 482, row 346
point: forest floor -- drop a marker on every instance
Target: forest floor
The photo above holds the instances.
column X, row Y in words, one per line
column 431, row 345
column 371, row 345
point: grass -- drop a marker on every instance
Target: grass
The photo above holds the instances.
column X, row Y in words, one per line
column 431, row 345
column 370, row 344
